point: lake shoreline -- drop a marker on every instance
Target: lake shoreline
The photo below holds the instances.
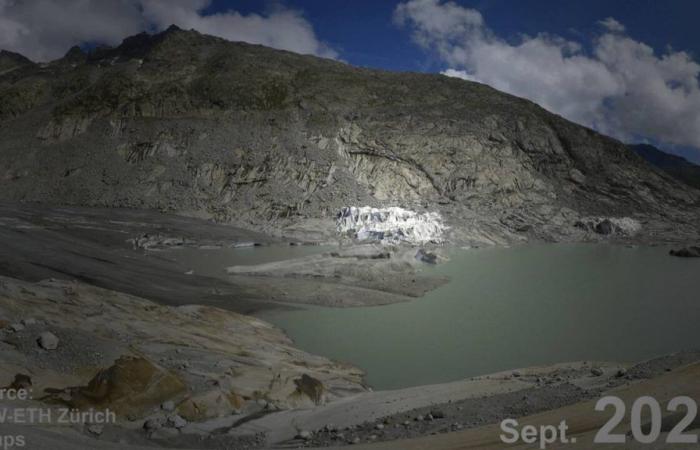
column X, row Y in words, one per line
column 512, row 307
column 67, row 257
column 396, row 415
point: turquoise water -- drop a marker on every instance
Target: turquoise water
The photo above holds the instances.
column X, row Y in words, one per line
column 509, row 308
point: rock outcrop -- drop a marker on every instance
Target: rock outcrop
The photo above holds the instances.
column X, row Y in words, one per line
column 48, row 341
column 426, row 256
column 130, row 387
column 610, row 225
column 133, row 356
column 280, row 142
column 686, row 252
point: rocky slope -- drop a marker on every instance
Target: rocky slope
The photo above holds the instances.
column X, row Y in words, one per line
column 172, row 374
column 139, row 252
column 281, row 142
column 676, row 166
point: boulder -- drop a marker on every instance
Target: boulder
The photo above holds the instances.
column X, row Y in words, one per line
column 95, row 428
column 47, row 341
column 21, row 381
column 210, row 404
column 687, row 252
column 176, row 421
column 131, row 387
column 605, row 227
column 437, row 414
column 304, row 434
column 426, row 256
column 154, row 423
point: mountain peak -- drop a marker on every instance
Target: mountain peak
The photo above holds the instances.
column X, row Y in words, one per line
column 10, row 60
column 141, row 44
column 75, row 54
column 172, row 28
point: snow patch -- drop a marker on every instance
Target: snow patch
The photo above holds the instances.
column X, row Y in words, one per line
column 390, row 225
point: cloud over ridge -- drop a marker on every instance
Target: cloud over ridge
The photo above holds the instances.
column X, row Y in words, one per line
column 44, row 29
column 622, row 87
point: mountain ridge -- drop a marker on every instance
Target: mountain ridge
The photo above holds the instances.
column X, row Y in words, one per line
column 677, row 166
column 269, row 139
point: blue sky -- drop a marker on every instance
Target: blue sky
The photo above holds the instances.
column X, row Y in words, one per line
column 364, row 34
column 628, row 68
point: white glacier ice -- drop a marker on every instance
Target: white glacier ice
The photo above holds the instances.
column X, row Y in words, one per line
column 391, row 225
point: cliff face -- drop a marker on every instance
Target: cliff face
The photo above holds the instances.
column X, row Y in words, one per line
column 274, row 140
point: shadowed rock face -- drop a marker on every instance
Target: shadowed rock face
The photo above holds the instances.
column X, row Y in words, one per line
column 310, row 387
column 265, row 138
column 130, row 387
column 10, row 61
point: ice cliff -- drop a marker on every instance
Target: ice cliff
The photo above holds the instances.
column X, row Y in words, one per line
column 391, row 225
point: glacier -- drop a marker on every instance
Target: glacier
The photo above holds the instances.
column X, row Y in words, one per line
column 390, row 225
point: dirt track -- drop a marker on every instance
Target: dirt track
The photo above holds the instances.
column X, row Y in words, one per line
column 582, row 419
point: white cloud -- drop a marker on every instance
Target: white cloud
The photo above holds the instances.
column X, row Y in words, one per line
column 282, row 28
column 45, row 29
column 622, row 88
column 612, row 25
column 446, row 21
column 458, row 74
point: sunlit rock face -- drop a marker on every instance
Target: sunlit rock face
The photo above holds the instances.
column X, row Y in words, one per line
column 390, row 225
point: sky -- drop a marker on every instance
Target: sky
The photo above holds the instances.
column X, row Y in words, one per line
column 628, row 68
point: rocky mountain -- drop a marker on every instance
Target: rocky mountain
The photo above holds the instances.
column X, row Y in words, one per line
column 280, row 142
column 11, row 60
column 676, row 166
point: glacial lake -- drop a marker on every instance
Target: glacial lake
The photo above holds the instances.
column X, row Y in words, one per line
column 506, row 308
